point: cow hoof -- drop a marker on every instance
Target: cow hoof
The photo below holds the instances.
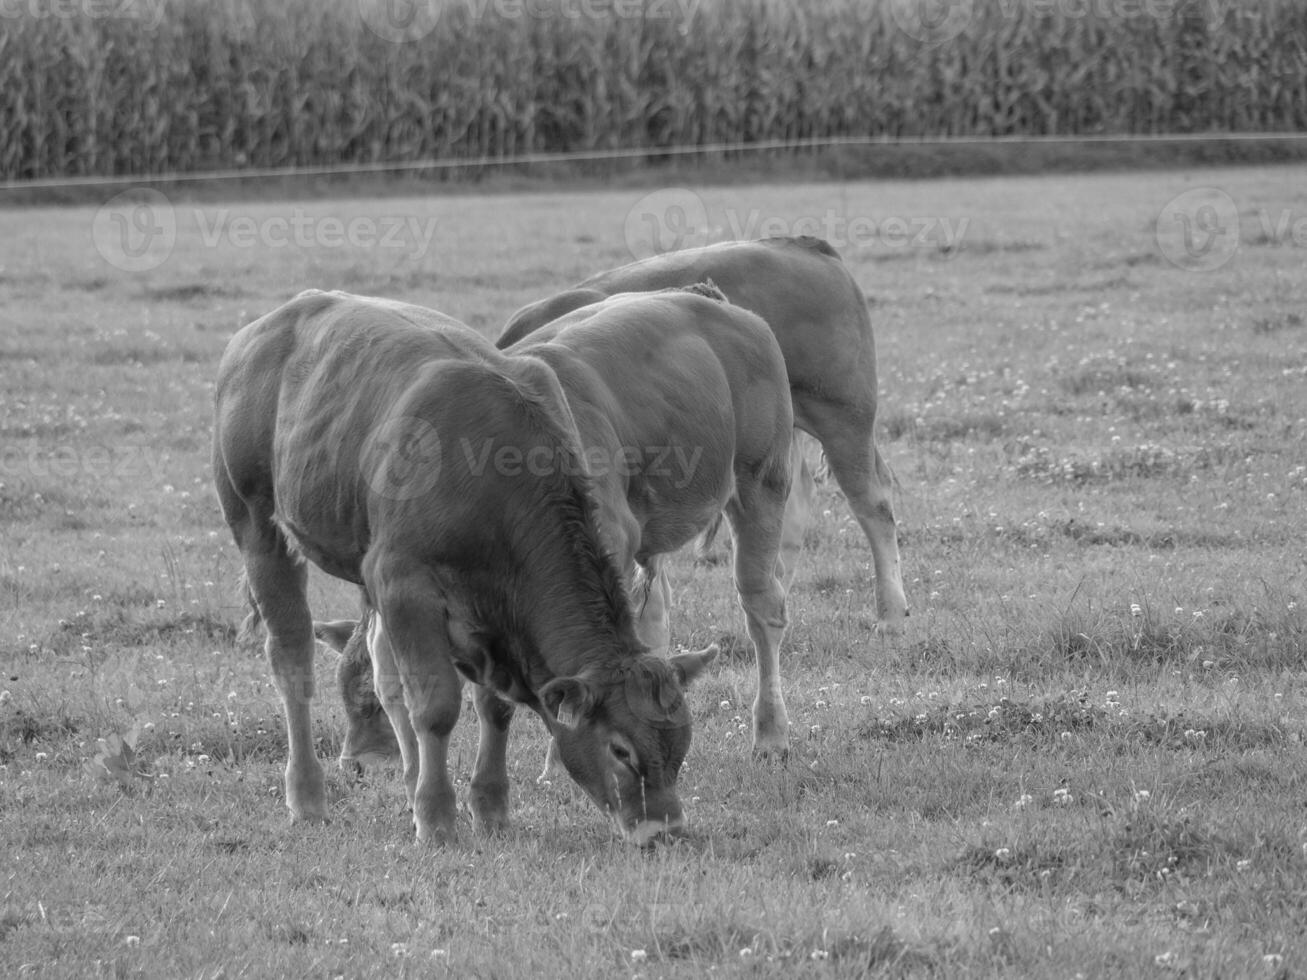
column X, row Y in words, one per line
column 492, row 825
column 437, row 836
column 890, row 629
column 309, row 817
column 771, row 749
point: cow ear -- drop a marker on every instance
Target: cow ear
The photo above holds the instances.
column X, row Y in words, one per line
column 335, row 634
column 569, row 699
column 690, row 665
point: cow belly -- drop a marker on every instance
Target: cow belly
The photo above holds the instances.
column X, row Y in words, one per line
column 336, row 554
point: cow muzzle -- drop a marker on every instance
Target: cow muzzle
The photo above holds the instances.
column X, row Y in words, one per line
column 647, row 833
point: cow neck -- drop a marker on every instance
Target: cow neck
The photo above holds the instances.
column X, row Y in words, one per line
column 572, row 595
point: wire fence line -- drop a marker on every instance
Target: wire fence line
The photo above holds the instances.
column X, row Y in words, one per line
column 637, row 153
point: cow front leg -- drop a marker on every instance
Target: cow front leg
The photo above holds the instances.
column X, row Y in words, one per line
column 413, row 612
column 490, row 773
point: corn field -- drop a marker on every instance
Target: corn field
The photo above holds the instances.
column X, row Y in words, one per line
column 184, row 85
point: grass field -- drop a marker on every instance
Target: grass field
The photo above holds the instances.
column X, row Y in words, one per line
column 1084, row 758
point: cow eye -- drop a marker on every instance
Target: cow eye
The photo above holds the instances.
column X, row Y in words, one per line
column 622, row 754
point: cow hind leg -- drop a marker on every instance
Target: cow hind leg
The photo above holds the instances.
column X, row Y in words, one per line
column 490, row 772
column 651, row 599
column 867, row 485
column 414, row 617
column 278, row 583
column 799, row 507
column 756, row 515
column 388, row 684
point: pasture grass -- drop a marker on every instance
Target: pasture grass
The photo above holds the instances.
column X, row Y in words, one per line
column 1084, row 758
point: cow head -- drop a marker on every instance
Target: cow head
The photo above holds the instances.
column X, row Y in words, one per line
column 623, row 737
column 369, row 737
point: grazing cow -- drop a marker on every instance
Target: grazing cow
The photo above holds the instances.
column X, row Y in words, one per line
column 681, row 403
column 685, row 396
column 350, row 431
column 819, row 316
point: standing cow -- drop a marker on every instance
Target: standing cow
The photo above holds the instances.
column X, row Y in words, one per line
column 819, row 315
column 682, row 408
column 349, row 432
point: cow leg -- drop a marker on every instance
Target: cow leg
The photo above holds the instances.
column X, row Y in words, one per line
column 414, row 617
column 756, row 515
column 799, row 507
column 651, row 598
column 388, row 683
column 490, row 773
column 369, row 735
column 867, row 483
column 278, row 582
